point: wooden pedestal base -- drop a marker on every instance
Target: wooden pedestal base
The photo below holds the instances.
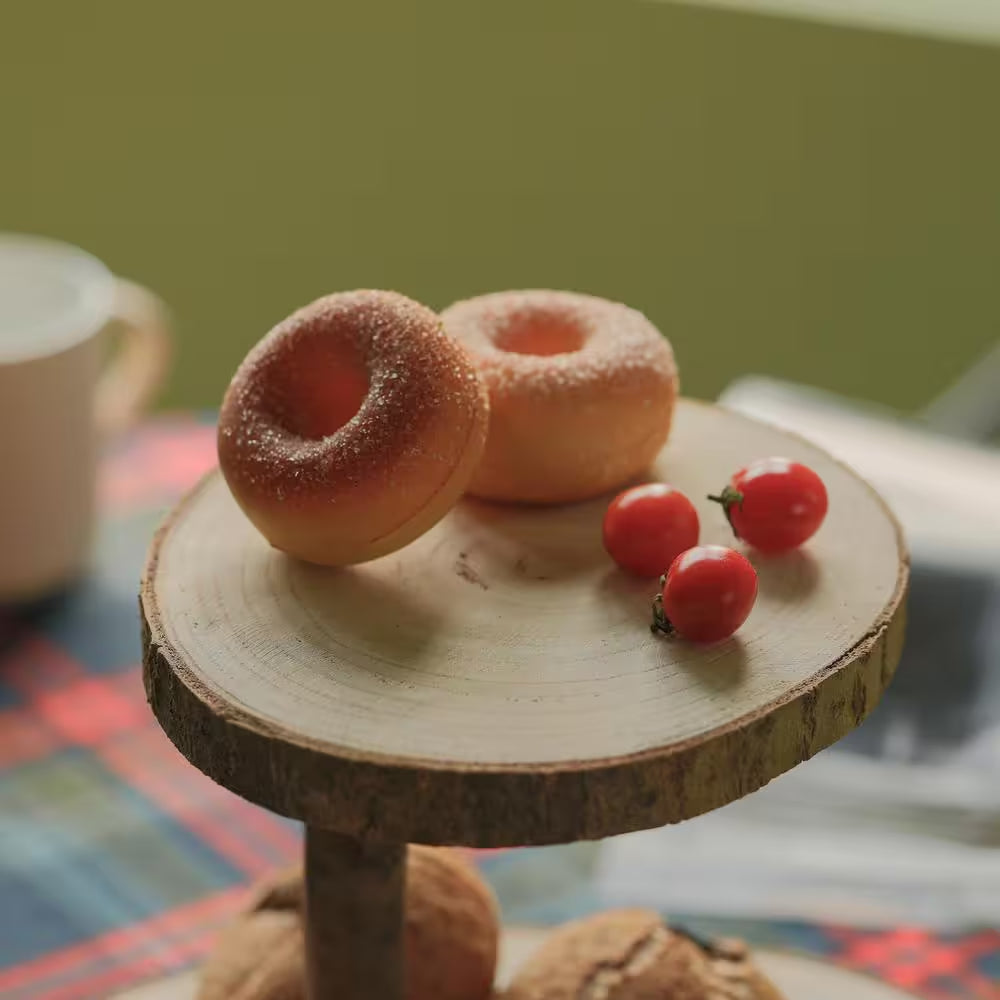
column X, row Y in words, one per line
column 801, row 977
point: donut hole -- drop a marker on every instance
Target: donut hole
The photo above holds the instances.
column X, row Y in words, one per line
column 321, row 391
column 540, row 333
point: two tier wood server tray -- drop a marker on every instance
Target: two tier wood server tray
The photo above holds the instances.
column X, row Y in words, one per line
column 495, row 683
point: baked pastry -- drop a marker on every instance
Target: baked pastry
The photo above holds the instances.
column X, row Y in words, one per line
column 634, row 955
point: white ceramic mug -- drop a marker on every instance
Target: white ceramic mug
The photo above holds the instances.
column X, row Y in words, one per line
column 59, row 400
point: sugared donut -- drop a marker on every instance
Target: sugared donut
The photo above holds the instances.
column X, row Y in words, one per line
column 581, row 389
column 352, row 427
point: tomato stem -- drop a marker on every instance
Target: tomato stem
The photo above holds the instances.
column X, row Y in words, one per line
column 661, row 624
column 729, row 498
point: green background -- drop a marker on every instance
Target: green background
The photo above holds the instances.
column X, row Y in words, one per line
column 813, row 202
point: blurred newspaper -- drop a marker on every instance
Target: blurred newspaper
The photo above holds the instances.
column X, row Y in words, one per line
column 842, row 839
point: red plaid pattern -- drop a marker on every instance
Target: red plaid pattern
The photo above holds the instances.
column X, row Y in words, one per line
column 917, row 960
column 113, row 961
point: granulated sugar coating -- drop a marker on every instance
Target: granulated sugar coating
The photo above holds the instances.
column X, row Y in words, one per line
column 582, row 392
column 352, row 427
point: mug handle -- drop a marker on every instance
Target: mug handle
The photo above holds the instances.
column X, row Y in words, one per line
column 131, row 380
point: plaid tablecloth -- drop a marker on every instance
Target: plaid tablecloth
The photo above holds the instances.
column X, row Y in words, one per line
column 119, row 861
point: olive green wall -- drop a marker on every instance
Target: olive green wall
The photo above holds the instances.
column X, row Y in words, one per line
column 814, row 202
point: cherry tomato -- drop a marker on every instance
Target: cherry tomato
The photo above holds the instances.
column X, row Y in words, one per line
column 706, row 594
column 774, row 504
column 647, row 527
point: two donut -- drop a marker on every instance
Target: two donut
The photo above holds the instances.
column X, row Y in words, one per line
column 357, row 423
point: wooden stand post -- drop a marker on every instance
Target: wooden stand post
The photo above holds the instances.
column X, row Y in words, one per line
column 354, row 918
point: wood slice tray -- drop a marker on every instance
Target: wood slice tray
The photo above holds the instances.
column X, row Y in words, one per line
column 495, row 682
